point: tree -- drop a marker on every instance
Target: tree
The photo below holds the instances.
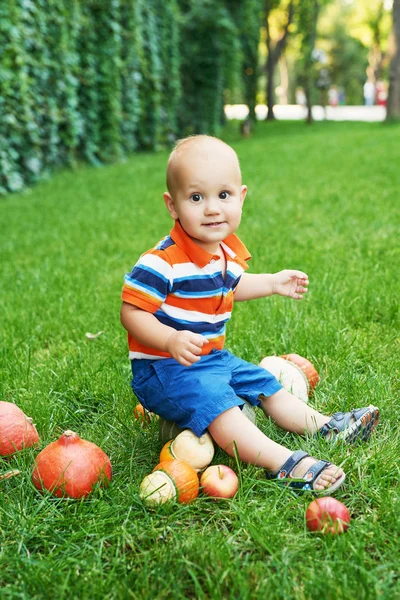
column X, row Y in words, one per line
column 308, row 18
column 313, row 73
column 393, row 105
column 275, row 48
column 369, row 22
column 377, row 54
column 210, row 64
column 348, row 63
column 347, row 56
column 249, row 23
column 246, row 15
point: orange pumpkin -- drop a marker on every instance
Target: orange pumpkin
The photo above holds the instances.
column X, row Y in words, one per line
column 71, row 467
column 307, row 367
column 142, row 415
column 16, row 429
column 166, row 452
column 170, row 480
column 196, row 451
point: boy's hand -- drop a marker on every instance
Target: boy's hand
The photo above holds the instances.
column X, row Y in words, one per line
column 185, row 346
column 290, row 283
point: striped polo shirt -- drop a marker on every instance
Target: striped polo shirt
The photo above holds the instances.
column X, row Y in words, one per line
column 183, row 286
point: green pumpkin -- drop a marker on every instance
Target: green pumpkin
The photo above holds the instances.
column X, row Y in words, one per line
column 168, row 430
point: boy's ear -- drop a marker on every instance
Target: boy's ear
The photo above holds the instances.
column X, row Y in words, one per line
column 170, row 204
column 243, row 193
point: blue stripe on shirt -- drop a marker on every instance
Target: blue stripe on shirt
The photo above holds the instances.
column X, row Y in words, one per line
column 193, row 295
column 148, row 280
column 139, row 285
column 201, row 328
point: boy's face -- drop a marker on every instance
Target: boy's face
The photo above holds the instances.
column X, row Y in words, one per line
column 208, row 194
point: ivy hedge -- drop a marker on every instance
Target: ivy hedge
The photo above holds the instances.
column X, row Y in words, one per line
column 99, row 79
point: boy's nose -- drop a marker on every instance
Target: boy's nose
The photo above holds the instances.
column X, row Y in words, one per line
column 212, row 206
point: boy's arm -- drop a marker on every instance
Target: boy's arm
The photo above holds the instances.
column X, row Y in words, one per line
column 285, row 283
column 185, row 346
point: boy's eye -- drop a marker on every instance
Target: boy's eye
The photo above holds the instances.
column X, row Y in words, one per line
column 196, row 197
column 224, row 195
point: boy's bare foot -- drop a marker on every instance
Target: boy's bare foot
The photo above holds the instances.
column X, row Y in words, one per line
column 302, row 472
column 328, row 477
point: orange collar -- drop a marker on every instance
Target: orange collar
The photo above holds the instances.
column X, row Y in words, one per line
column 232, row 245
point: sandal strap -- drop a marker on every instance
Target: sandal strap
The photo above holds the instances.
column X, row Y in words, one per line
column 306, row 483
column 342, row 420
column 315, row 471
column 288, row 466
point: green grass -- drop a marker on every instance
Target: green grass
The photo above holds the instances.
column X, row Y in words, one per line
column 323, row 199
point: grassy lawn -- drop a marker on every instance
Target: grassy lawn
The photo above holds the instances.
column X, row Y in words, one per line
column 323, row 199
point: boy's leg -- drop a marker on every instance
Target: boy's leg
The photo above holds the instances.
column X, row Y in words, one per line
column 253, row 382
column 257, row 385
column 292, row 414
column 232, row 429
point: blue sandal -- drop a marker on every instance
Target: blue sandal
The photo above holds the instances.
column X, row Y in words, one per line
column 350, row 426
column 305, row 483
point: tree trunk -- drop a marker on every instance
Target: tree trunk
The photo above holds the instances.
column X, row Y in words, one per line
column 393, row 104
column 269, row 67
column 270, row 86
column 274, row 53
column 309, row 60
column 307, row 91
column 375, row 55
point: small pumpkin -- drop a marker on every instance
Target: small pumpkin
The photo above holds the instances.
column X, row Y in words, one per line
column 170, row 480
column 16, row 429
column 71, row 467
column 196, row 451
column 289, row 375
column 307, row 367
column 143, row 416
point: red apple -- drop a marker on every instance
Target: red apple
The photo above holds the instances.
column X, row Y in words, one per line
column 327, row 515
column 219, row 481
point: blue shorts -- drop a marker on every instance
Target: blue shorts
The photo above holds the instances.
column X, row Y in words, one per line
column 194, row 396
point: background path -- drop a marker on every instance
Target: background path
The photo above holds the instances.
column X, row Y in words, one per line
column 296, row 112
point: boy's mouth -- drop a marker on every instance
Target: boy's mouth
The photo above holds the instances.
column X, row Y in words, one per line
column 215, row 224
